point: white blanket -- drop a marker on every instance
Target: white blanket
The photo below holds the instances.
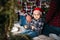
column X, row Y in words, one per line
column 16, row 29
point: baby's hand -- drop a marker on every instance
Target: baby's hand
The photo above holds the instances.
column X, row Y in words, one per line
column 25, row 27
column 33, row 27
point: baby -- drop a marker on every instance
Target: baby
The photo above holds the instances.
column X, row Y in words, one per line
column 37, row 21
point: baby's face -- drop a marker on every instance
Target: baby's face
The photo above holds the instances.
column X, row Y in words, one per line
column 36, row 14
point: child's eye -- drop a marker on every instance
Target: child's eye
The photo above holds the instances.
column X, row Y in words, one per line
column 38, row 14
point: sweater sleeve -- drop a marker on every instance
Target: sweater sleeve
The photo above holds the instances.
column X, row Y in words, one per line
column 51, row 11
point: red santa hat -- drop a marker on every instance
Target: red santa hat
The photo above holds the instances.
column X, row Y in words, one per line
column 38, row 9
